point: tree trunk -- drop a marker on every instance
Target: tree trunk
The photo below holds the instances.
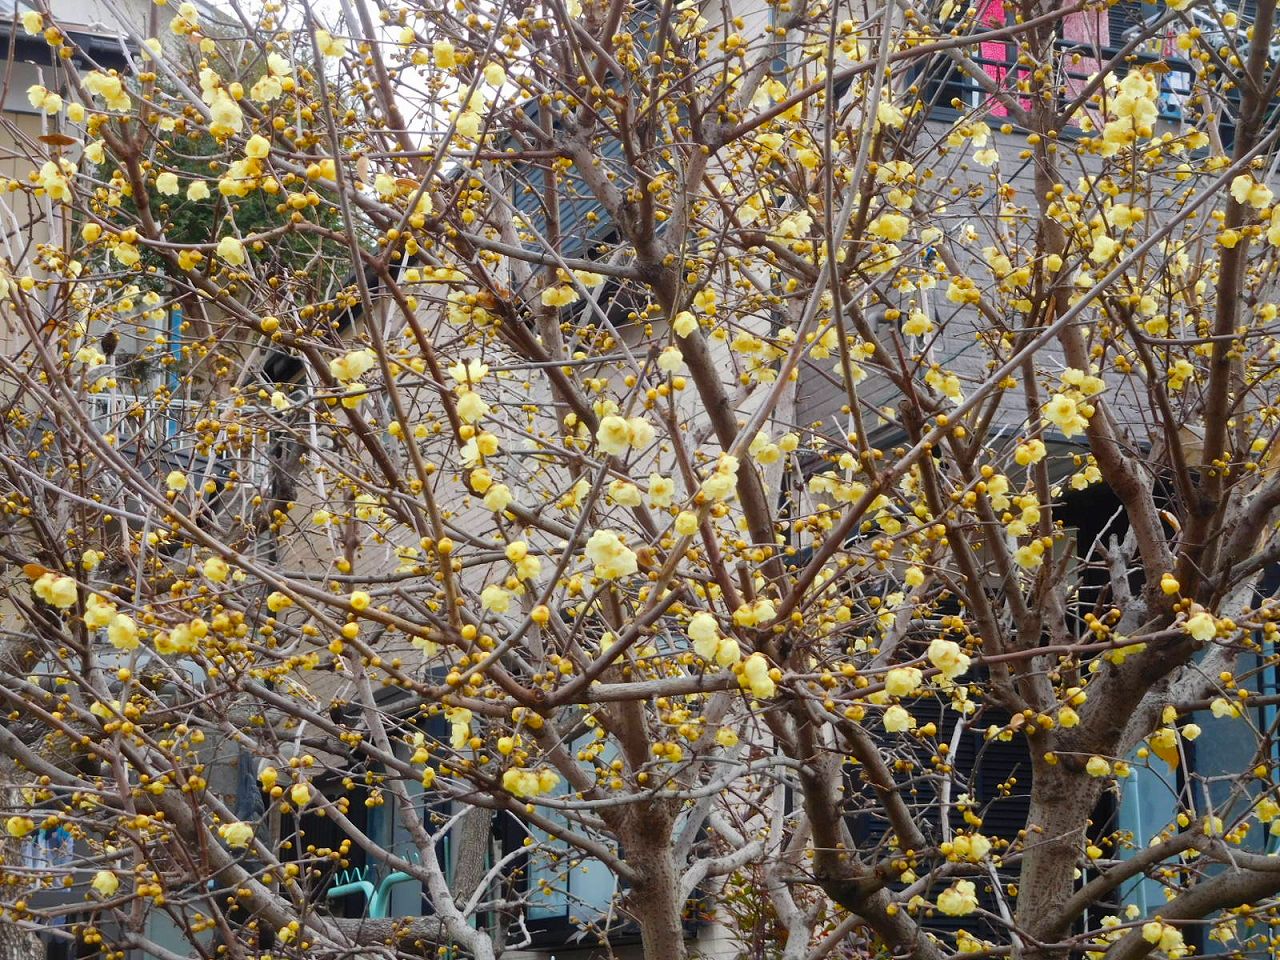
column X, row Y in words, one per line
column 471, row 860
column 1056, row 830
column 654, row 902
column 15, row 942
column 19, row 944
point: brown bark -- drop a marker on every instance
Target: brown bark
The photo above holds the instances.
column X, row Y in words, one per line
column 1056, row 824
column 469, row 864
column 16, row 943
column 654, row 896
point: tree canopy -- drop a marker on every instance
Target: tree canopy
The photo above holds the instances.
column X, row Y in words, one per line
column 807, row 463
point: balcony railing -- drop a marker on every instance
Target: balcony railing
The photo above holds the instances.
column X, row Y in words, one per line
column 948, row 90
column 161, row 434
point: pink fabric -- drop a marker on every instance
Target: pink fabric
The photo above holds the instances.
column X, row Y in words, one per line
column 993, row 53
column 1089, row 27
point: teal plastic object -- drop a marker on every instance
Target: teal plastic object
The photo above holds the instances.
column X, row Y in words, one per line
column 380, row 904
column 377, row 900
column 352, row 881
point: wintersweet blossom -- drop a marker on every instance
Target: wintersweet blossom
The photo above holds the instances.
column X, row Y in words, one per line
column 705, row 634
column 723, row 481
column 947, row 656
column 105, row 883
column 329, row 45
column 60, row 592
column 902, row 681
column 959, row 899
column 1202, row 626
column 756, row 677
column 236, row 833
column 612, row 558
column 897, row 719
column 231, row 250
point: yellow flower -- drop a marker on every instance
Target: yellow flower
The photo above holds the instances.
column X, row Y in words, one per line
column 947, row 656
column 471, row 407
column 122, row 633
column 56, row 591
column 300, row 794
column 561, row 295
column 236, row 833
column 528, row 783
column 1030, row 556
column 268, row 777
column 167, row 184
column 359, row 600
column 640, row 432
column 19, row 827
column 1064, row 413
column 686, row 523
column 468, row 125
column 755, row 673
column 198, row 190
column 763, row 450
column 105, row 883
column 495, row 599
column 1202, row 626
column 32, row 22
column 902, row 681
column 53, row 178
column 495, row 75
column 278, row 601
column 498, row 497
column 1097, row 767
column 257, row 147
column 231, row 250
column 1033, row 451
column 98, row 612
column 671, row 360
column 443, row 55
column 613, row 436
column 705, row 634
column 755, row 613
column 661, row 490
column 1273, row 228
column 898, row 720
column 176, row 481
column 727, row 737
column 1247, row 191
column 225, row 116
column 612, row 558
column 624, row 493
column 216, row 569
column 329, row 45
column 889, row 226
column 723, row 482
column 889, row 115
column 1104, row 248
column 959, row 899
column 352, row 366
column 917, row 324
column 109, row 88
column 1164, row 936
column 1223, row 708
column 684, row 323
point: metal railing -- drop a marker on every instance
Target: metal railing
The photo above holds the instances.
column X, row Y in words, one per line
column 944, row 86
column 167, row 433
